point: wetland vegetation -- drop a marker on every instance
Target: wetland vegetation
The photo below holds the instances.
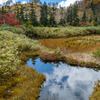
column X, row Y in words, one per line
column 66, row 35
column 16, row 47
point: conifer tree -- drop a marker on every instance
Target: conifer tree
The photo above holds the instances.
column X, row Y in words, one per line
column 75, row 15
column 18, row 14
column 62, row 20
column 22, row 14
column 52, row 21
column 3, row 11
column 84, row 19
column 44, row 14
column 33, row 18
column 69, row 14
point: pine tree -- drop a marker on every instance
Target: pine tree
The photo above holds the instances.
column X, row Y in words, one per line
column 84, row 18
column 33, row 18
column 62, row 20
column 52, row 21
column 22, row 14
column 75, row 15
column 69, row 14
column 3, row 11
column 75, row 11
column 18, row 14
column 44, row 14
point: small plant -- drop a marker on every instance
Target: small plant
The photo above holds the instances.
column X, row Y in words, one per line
column 97, row 54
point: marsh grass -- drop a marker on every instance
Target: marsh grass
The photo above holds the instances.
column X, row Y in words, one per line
column 17, row 80
column 73, row 44
column 53, row 32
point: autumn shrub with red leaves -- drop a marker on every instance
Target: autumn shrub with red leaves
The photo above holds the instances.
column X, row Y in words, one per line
column 9, row 19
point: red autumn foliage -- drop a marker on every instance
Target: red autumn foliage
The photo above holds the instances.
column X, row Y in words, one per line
column 9, row 19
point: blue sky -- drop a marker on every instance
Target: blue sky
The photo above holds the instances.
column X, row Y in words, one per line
column 46, row 0
column 63, row 3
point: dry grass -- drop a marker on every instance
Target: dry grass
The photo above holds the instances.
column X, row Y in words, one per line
column 73, row 44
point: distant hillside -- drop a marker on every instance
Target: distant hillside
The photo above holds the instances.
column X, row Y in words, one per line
column 92, row 8
column 27, row 8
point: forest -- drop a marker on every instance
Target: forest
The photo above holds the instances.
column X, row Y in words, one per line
column 81, row 13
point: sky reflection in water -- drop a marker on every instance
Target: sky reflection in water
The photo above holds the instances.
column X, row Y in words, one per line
column 65, row 82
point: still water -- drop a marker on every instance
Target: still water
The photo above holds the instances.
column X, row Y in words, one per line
column 65, row 82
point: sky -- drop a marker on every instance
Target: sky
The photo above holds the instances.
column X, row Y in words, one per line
column 63, row 3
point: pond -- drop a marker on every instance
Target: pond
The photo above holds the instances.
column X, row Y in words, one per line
column 65, row 82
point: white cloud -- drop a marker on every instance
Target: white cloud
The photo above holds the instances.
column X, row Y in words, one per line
column 66, row 3
column 4, row 1
column 23, row 2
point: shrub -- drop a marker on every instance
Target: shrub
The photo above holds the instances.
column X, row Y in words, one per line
column 9, row 19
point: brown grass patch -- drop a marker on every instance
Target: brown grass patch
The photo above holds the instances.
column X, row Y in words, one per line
column 73, row 44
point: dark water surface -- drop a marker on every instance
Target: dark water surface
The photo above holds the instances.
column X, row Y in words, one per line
column 65, row 82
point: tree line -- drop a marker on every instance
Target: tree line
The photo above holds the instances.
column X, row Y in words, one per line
column 69, row 16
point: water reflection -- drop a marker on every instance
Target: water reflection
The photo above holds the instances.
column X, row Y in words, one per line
column 65, row 82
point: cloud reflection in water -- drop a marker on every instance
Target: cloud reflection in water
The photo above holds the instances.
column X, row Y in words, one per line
column 68, row 83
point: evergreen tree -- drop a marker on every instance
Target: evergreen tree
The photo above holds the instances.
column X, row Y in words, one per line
column 22, row 14
column 84, row 18
column 69, row 14
column 3, row 11
column 62, row 20
column 75, row 11
column 52, row 21
column 18, row 14
column 33, row 18
column 44, row 14
column 95, row 21
column 92, row 7
column 75, row 15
